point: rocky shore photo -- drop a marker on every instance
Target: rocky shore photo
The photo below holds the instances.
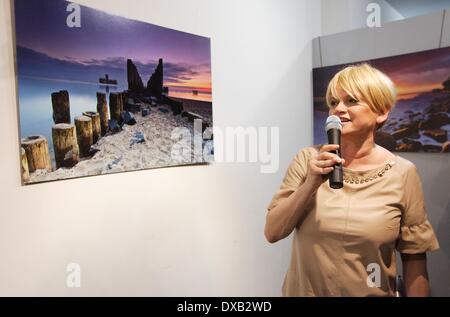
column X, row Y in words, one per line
column 420, row 120
column 107, row 94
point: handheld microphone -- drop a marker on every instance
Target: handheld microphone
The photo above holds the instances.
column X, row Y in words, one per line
column 333, row 126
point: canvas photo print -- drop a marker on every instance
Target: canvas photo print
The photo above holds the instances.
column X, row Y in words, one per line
column 420, row 119
column 100, row 93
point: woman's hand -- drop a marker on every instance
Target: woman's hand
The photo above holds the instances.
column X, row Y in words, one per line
column 321, row 164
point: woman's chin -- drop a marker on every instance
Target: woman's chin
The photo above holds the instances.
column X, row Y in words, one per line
column 348, row 130
column 345, row 127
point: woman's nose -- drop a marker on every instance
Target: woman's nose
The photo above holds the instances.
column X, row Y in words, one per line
column 340, row 107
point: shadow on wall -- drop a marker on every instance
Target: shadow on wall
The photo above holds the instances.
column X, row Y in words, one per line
column 439, row 261
column 443, row 232
column 442, row 256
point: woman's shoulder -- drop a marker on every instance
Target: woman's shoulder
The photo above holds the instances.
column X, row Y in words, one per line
column 307, row 152
column 310, row 149
column 403, row 162
column 404, row 167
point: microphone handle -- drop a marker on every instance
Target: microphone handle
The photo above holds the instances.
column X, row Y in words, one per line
column 336, row 175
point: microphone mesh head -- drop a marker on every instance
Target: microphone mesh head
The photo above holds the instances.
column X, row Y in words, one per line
column 333, row 122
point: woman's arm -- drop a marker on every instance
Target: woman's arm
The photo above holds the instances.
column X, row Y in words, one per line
column 415, row 275
column 283, row 218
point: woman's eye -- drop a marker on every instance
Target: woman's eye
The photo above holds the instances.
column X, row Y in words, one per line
column 333, row 103
column 352, row 100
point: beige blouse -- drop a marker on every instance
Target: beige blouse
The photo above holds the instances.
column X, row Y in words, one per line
column 350, row 234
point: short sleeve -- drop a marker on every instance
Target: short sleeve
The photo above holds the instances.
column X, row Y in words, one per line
column 416, row 232
column 293, row 178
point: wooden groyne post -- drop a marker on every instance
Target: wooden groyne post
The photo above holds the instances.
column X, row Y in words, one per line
column 36, row 149
column 83, row 126
column 24, row 166
column 102, row 109
column 124, row 99
column 61, row 107
column 65, row 145
column 115, row 106
column 96, row 126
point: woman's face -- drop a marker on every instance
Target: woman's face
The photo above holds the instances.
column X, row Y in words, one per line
column 356, row 116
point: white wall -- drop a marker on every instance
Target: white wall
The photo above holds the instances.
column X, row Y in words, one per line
column 182, row 231
column 344, row 15
column 401, row 37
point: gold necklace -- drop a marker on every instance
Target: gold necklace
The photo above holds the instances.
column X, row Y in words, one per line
column 366, row 179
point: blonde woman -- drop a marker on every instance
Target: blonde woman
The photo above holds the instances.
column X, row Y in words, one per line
column 345, row 239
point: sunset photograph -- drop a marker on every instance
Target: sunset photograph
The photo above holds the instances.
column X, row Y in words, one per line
column 100, row 93
column 420, row 119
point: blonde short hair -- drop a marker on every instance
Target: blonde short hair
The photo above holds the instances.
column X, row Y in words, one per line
column 366, row 83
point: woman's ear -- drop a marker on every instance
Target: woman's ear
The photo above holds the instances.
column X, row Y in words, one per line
column 381, row 120
column 382, row 117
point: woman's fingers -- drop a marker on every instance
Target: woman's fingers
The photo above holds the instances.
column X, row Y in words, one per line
column 321, row 167
column 326, row 163
column 326, row 170
column 329, row 156
column 325, row 160
column 329, row 147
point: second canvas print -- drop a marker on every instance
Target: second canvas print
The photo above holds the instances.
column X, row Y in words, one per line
column 100, row 94
column 420, row 119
